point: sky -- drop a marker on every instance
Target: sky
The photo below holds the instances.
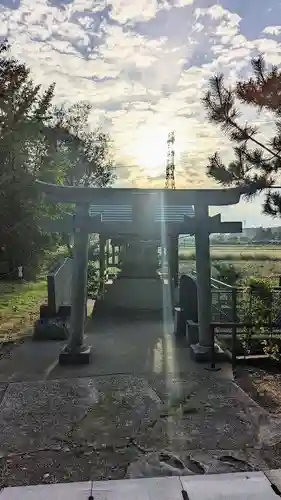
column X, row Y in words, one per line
column 144, row 65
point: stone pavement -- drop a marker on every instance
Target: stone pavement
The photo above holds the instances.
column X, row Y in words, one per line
column 142, row 408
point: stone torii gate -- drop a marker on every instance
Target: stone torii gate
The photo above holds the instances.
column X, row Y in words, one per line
column 81, row 224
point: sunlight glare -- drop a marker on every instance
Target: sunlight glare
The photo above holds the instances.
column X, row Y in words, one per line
column 150, row 150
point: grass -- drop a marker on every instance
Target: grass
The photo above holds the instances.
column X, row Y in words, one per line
column 20, row 301
column 19, row 307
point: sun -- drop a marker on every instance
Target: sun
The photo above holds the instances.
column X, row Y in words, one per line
column 150, row 150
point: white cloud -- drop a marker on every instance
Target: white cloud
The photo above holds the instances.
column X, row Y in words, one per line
column 125, row 11
column 141, row 84
column 272, row 30
column 270, row 48
column 217, row 12
column 123, row 48
column 183, row 3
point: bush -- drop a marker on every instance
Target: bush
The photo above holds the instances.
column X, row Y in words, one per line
column 93, row 280
column 257, row 308
column 227, row 273
column 234, row 257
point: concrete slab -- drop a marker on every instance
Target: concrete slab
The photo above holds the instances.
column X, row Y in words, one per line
column 229, row 487
column 248, row 486
column 227, row 461
column 142, row 394
column 33, row 414
column 126, row 404
column 3, row 388
column 201, row 390
column 30, row 361
column 218, row 429
column 107, row 411
column 124, row 346
column 74, row 491
column 190, row 462
column 118, row 346
column 66, row 463
column 163, row 488
column 114, row 409
column 274, row 476
column 78, row 427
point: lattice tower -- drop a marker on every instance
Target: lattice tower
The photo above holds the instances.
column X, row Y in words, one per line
column 170, row 167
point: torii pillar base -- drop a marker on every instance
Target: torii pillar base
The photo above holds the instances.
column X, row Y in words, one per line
column 201, row 353
column 205, row 354
column 80, row 355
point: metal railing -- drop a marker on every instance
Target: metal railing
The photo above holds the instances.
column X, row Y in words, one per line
column 233, row 303
column 244, row 339
column 224, row 304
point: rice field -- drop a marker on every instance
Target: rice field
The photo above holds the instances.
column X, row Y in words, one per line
column 238, row 252
column 252, row 260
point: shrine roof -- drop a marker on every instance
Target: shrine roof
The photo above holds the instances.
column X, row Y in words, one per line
column 124, row 213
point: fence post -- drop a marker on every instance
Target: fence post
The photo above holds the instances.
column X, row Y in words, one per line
column 234, row 327
column 213, row 368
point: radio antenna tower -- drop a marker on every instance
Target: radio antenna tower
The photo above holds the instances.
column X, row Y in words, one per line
column 170, row 167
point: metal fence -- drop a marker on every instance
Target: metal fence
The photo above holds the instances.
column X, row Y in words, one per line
column 238, row 304
column 248, row 326
column 223, row 301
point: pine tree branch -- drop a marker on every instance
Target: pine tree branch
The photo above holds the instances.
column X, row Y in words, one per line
column 253, row 170
column 255, row 141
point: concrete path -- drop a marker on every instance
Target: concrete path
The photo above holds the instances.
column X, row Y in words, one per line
column 247, row 485
column 142, row 408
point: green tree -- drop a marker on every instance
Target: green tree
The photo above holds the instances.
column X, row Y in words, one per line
column 22, row 108
column 257, row 163
column 74, row 154
column 40, row 141
column 82, row 157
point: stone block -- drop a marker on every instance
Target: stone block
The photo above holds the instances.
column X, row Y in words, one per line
column 188, row 297
column 79, row 356
column 64, row 312
column 192, row 332
column 180, row 323
column 135, row 294
column 204, row 354
column 59, row 285
column 50, row 329
column 45, row 311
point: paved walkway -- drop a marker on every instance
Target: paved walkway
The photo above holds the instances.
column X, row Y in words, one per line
column 142, row 408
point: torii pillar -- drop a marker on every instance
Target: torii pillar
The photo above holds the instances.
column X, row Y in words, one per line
column 75, row 352
column 203, row 272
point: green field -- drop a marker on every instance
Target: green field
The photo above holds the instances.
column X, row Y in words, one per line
column 257, row 260
column 238, row 252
